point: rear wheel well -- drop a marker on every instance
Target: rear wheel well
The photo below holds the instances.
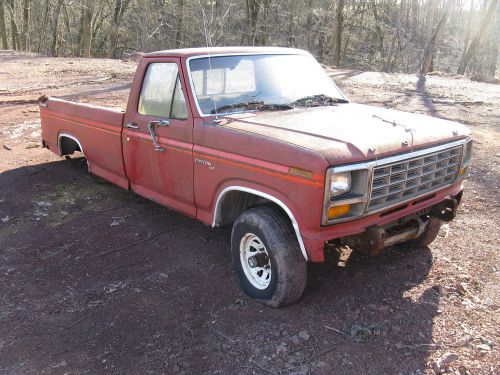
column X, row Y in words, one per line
column 68, row 146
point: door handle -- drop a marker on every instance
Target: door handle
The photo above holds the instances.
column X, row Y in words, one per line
column 162, row 123
column 132, row 125
column 151, row 127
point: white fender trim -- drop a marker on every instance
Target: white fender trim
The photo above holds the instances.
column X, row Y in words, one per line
column 217, row 212
column 66, row 135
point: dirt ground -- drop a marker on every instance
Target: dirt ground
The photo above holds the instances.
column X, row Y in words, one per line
column 94, row 279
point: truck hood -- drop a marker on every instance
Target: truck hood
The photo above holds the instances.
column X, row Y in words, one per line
column 349, row 132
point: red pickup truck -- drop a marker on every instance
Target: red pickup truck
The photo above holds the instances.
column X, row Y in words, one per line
column 263, row 140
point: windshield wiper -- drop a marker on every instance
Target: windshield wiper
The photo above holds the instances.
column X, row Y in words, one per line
column 258, row 105
column 319, row 100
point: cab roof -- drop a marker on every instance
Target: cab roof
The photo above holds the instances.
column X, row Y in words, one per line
column 190, row 52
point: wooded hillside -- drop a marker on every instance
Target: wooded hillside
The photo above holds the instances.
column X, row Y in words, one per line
column 454, row 36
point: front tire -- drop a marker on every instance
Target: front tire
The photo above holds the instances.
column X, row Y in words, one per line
column 427, row 237
column 267, row 257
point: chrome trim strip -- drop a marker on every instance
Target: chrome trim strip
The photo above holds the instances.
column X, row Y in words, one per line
column 188, row 69
column 216, row 219
column 347, row 201
column 400, row 157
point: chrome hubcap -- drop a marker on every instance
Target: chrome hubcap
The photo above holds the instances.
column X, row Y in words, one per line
column 255, row 261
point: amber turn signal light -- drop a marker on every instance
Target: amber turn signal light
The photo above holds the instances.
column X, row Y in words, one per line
column 336, row 211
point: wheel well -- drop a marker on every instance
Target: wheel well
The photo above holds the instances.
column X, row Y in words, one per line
column 68, row 146
column 235, row 202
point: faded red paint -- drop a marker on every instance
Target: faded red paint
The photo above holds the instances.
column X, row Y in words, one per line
column 252, row 150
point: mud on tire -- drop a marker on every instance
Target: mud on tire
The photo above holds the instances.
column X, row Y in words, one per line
column 263, row 238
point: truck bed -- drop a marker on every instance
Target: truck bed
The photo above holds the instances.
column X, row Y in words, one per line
column 97, row 129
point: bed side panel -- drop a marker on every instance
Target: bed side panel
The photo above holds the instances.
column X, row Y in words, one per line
column 97, row 129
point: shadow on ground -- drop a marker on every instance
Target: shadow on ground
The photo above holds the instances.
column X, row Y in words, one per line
column 99, row 280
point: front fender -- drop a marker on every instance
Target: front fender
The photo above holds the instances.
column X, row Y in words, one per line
column 262, row 191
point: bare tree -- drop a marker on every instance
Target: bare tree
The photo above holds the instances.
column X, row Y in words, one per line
column 379, row 33
column 3, row 31
column 431, row 42
column 339, row 26
column 51, row 51
column 178, row 23
column 388, row 35
column 86, row 27
column 25, row 29
column 478, row 37
column 118, row 14
column 390, row 62
column 41, row 30
column 495, row 45
column 252, row 16
column 14, row 34
column 262, row 34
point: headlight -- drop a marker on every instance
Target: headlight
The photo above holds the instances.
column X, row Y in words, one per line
column 345, row 193
column 340, row 183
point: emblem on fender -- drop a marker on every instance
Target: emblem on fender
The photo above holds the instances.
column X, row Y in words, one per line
column 205, row 162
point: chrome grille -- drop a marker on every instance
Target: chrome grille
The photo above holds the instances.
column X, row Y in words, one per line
column 407, row 179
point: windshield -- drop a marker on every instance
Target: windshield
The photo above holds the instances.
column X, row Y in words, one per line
column 229, row 84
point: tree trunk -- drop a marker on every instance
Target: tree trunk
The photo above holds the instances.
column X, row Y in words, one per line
column 41, row 30
column 51, row 51
column 321, row 41
column 291, row 38
column 251, row 18
column 14, row 34
column 431, row 42
column 414, row 15
column 492, row 63
column 66, row 18
column 24, row 33
column 13, row 27
column 429, row 23
column 178, row 23
column 378, row 31
column 470, row 21
column 478, row 37
column 120, row 9
column 339, row 26
column 3, row 31
column 262, row 34
column 431, row 14
column 86, row 29
column 391, row 61
column 80, row 32
column 309, row 24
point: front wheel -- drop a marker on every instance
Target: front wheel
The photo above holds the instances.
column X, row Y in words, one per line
column 427, row 237
column 267, row 258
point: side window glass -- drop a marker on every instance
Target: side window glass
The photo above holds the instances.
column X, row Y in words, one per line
column 158, row 91
column 179, row 107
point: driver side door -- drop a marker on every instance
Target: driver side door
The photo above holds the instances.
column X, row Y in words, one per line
column 157, row 137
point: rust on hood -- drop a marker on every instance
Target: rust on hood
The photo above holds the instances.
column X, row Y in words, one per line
column 349, row 132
